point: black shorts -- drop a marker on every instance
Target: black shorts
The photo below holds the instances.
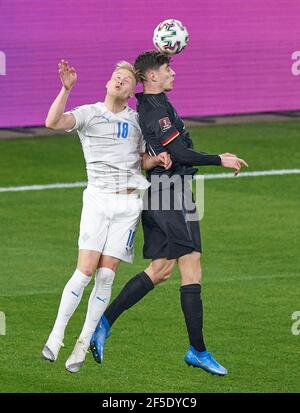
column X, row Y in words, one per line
column 170, row 233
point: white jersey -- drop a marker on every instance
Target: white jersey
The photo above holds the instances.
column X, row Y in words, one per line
column 111, row 144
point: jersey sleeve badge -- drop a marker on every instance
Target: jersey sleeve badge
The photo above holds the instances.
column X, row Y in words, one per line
column 165, row 124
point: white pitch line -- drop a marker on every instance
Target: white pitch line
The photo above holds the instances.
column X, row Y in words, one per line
column 255, row 173
column 209, row 176
column 42, row 187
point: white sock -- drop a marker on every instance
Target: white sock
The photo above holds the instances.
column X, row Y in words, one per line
column 98, row 302
column 70, row 299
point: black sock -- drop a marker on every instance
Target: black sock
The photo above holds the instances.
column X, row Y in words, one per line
column 191, row 305
column 135, row 289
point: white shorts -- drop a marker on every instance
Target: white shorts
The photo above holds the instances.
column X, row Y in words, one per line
column 109, row 223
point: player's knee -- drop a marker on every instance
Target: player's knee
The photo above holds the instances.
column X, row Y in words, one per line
column 167, row 273
column 193, row 276
column 111, row 263
column 163, row 276
column 164, row 272
column 106, row 275
column 198, row 275
column 195, row 279
column 160, row 272
column 87, row 270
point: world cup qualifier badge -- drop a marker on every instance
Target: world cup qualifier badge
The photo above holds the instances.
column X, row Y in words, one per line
column 165, row 124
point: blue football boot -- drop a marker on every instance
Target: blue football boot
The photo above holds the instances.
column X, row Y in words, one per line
column 204, row 360
column 98, row 339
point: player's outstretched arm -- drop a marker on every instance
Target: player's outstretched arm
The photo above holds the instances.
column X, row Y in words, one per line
column 188, row 156
column 191, row 157
column 56, row 118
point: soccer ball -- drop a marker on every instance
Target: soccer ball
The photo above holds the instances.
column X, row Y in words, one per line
column 170, row 36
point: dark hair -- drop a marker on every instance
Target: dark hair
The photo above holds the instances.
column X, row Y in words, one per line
column 149, row 60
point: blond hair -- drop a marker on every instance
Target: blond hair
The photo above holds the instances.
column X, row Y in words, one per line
column 125, row 65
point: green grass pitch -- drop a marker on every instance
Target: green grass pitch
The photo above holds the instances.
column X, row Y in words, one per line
column 251, row 279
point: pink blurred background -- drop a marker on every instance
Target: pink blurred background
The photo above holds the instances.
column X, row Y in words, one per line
column 238, row 59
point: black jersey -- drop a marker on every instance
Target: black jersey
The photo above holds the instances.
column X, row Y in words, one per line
column 160, row 124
